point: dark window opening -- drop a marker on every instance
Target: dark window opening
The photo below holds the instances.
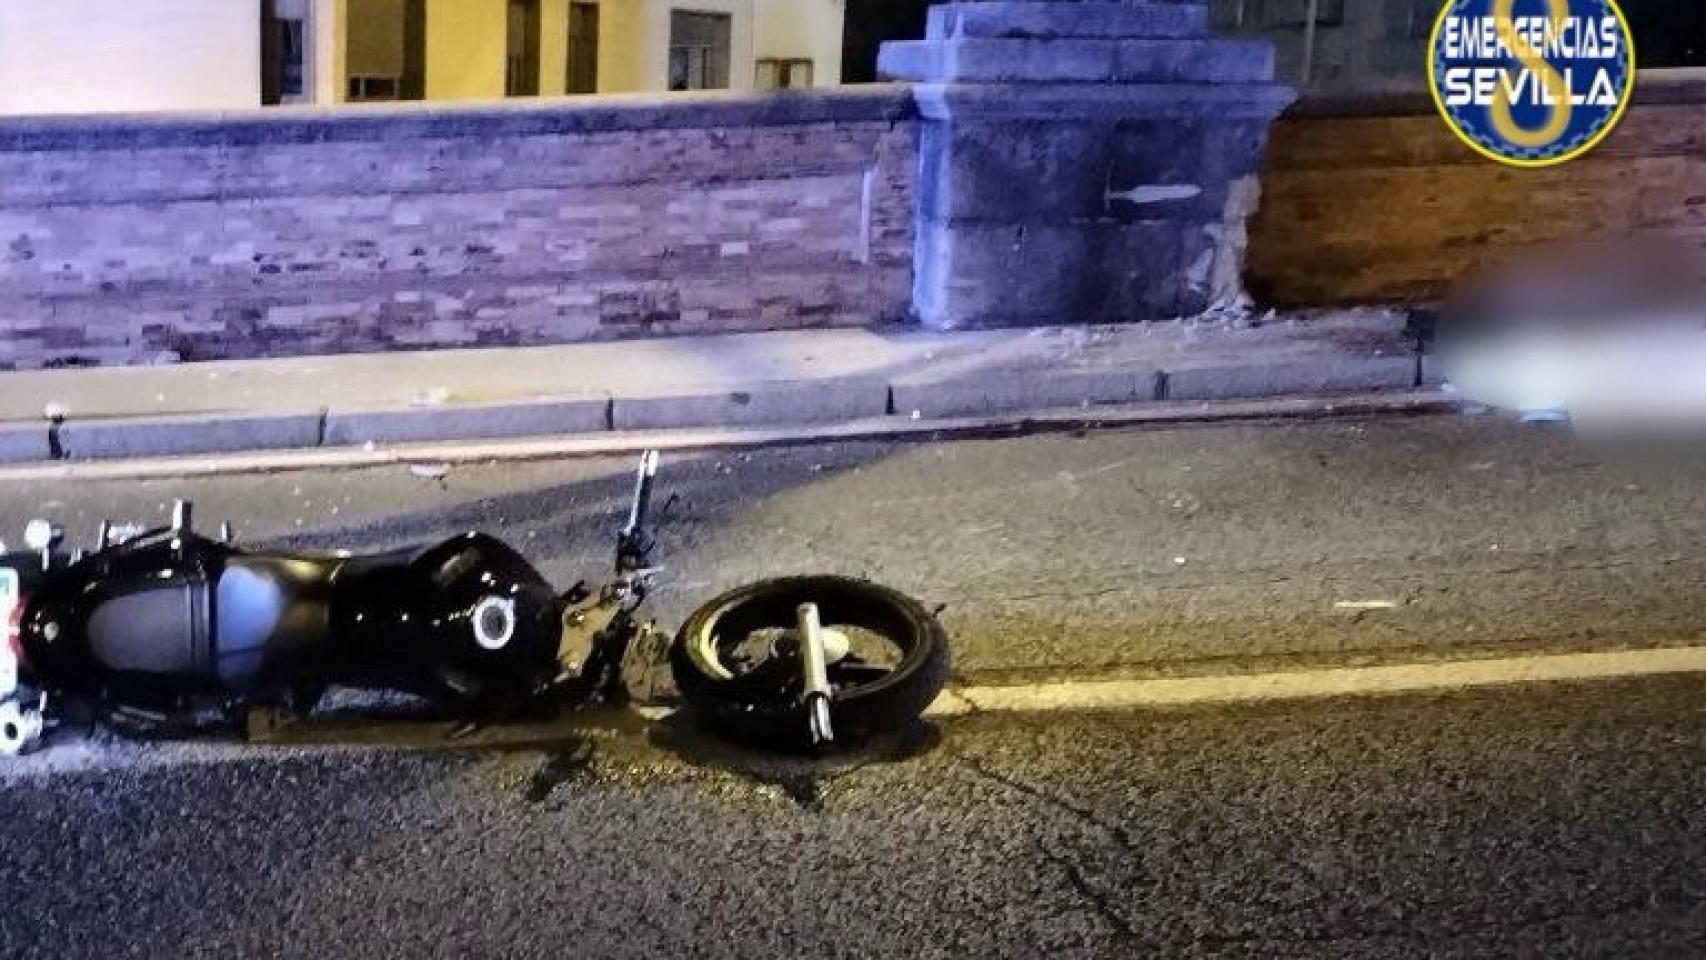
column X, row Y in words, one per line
column 369, row 88
column 284, row 56
column 699, row 45
column 583, row 49
column 521, row 66
column 780, row 73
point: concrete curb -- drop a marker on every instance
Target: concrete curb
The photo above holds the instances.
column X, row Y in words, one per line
column 482, row 422
column 827, row 402
column 21, row 443
column 1298, row 377
column 175, row 436
column 1025, row 390
column 816, row 401
column 618, row 443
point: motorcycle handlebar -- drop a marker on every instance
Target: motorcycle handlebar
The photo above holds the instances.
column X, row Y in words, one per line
column 640, row 512
column 634, row 546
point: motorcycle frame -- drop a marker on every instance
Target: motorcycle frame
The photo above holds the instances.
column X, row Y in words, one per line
column 598, row 630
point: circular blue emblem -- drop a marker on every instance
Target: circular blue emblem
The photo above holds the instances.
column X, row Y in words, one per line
column 1531, row 82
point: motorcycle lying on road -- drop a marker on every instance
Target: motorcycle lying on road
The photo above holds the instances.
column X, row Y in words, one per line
column 154, row 631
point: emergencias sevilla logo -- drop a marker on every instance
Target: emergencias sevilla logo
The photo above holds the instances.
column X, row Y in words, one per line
column 1531, row 82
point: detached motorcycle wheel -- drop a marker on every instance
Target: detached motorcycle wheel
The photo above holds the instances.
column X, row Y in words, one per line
column 762, row 703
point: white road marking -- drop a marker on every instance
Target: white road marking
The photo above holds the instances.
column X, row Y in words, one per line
column 1093, row 695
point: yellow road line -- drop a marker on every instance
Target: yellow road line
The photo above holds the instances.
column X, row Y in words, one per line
column 1319, row 684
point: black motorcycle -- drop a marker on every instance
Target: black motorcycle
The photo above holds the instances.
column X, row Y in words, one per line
column 165, row 632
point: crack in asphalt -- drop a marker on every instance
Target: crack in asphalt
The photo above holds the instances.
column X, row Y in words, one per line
column 1104, row 907
column 1091, row 897
column 1117, row 831
column 810, row 789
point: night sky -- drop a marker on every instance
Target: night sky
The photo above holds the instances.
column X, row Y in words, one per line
column 1668, row 33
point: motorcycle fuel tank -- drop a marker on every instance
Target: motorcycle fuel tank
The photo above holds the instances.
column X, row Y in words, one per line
column 162, row 623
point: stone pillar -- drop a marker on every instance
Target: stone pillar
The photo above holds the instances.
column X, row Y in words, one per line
column 1082, row 161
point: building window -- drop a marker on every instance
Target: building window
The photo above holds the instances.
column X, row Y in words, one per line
column 521, row 67
column 783, row 74
column 367, row 88
column 699, row 45
column 284, row 53
column 295, row 56
column 385, row 50
column 583, row 49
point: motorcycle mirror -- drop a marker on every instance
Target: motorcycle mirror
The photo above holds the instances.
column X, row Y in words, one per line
column 40, row 534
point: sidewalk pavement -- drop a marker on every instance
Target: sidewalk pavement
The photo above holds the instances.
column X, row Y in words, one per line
column 736, row 381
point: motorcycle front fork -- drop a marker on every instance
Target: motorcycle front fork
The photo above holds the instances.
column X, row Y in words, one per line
column 814, row 667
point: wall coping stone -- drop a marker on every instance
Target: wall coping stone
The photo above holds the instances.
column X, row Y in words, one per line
column 943, row 101
column 891, row 103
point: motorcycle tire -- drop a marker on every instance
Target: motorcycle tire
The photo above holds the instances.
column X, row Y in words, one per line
column 747, row 709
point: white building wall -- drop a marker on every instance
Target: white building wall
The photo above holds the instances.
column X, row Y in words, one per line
column 656, row 40
column 91, row 56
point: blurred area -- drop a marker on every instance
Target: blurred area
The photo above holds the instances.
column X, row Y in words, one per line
column 1607, row 335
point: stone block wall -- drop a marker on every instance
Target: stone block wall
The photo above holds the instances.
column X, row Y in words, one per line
column 1082, row 162
column 298, row 232
column 1373, row 200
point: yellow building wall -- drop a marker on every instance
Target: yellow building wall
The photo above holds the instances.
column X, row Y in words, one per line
column 93, row 56
column 633, row 49
column 466, row 42
column 624, row 48
column 805, row 30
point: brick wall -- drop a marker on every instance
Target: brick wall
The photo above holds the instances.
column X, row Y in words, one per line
column 125, row 240
column 1369, row 200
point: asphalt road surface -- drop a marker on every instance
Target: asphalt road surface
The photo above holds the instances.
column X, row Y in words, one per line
column 1560, row 820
